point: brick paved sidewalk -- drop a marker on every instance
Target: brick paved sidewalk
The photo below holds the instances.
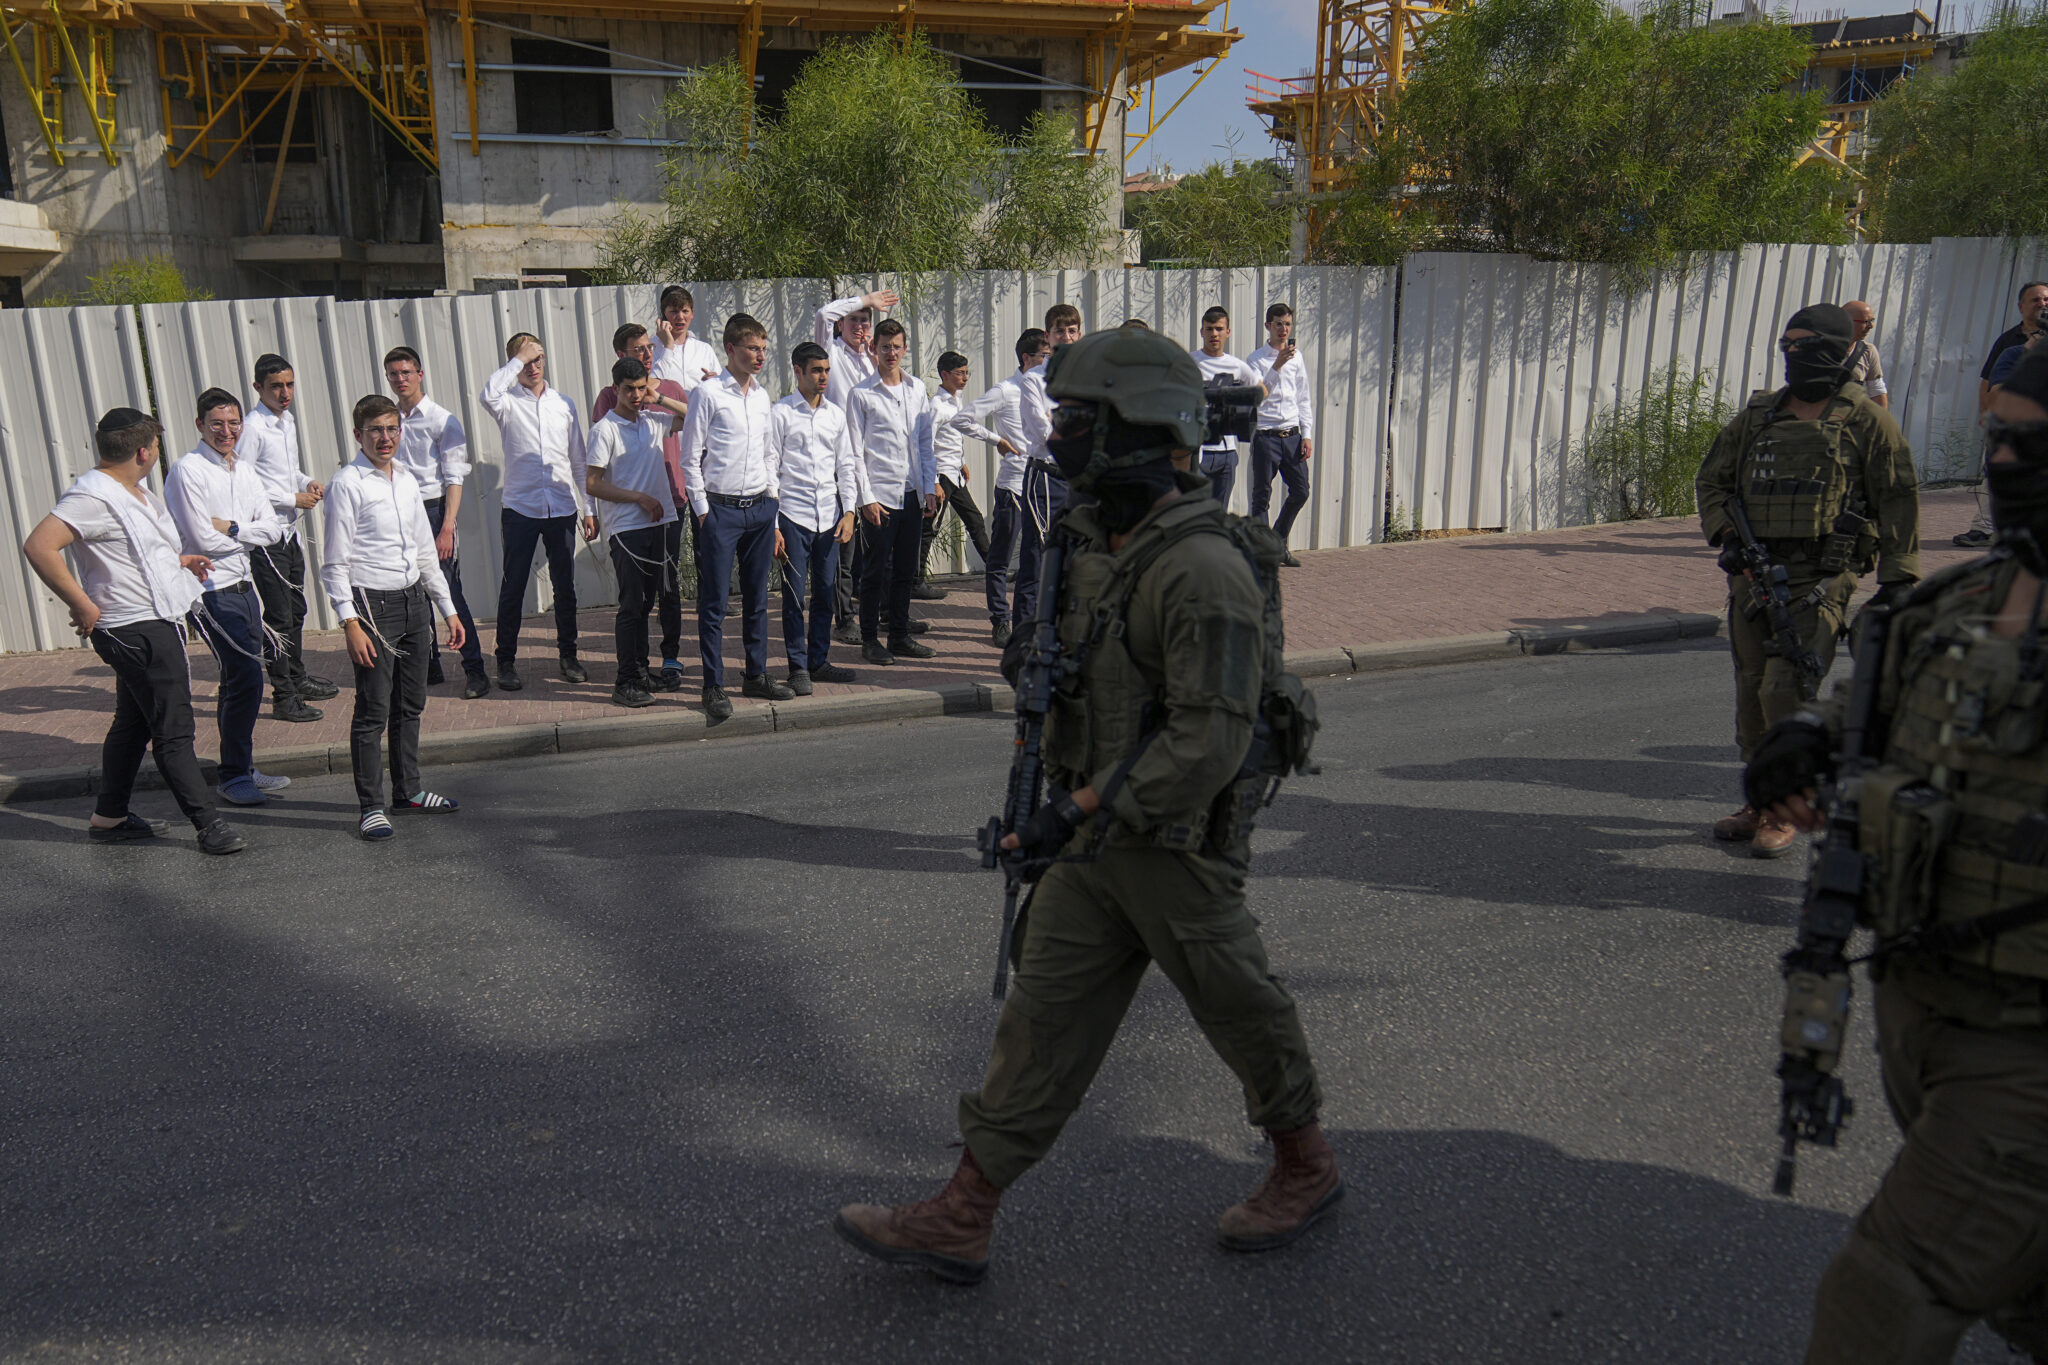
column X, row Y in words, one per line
column 54, row 706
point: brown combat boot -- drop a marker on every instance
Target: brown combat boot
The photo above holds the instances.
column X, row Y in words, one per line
column 1302, row 1186
column 1741, row 825
column 947, row 1235
column 1774, row 838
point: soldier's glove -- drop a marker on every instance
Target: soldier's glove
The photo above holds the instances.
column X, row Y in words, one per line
column 1051, row 825
column 1730, row 560
column 1013, row 655
column 1888, row 595
column 1791, row 758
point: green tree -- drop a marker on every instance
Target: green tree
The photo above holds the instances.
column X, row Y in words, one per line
column 878, row 163
column 1220, row 216
column 1570, row 130
column 1966, row 154
column 141, row 279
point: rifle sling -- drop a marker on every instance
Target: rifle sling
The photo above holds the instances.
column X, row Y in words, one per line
column 1969, row 933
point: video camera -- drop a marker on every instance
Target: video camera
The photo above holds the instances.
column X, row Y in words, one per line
column 1233, row 411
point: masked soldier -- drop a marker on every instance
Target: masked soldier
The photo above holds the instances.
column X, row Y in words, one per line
column 1956, row 819
column 1828, row 485
column 1161, row 620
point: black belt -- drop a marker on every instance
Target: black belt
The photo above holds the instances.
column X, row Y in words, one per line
column 393, row 594
column 436, row 500
column 1049, row 467
column 1279, row 431
column 244, row 586
column 726, row 500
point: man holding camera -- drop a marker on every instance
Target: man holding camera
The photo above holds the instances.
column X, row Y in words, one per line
column 1159, row 802
column 1220, row 368
column 1825, row 479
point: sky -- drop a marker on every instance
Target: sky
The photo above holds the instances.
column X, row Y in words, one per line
column 1280, row 40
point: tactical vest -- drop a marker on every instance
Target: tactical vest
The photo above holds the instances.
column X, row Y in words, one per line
column 1955, row 816
column 1795, row 477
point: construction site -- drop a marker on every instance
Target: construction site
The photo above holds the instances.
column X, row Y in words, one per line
column 397, row 148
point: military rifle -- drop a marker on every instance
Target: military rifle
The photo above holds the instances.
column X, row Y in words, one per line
column 1812, row 1106
column 1771, row 589
column 1026, row 790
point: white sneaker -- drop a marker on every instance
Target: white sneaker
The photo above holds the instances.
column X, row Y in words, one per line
column 271, row 784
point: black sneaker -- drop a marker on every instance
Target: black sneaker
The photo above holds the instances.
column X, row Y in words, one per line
column 573, row 672
column 848, row 634
column 475, row 684
column 1973, row 539
column 875, row 654
column 717, row 705
column 1288, row 560
column 508, row 677
column 294, row 710
column 918, row 626
column 130, row 829
column 766, row 689
column 668, row 680
column 316, row 689
column 800, row 682
column 999, row 634
column 435, row 677
column 926, row 592
column 832, row 673
column 910, row 649
column 631, row 694
column 217, row 837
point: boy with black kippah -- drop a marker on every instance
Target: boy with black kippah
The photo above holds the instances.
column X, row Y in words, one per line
column 137, row 589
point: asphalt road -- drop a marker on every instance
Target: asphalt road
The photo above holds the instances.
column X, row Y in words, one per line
column 581, row 1072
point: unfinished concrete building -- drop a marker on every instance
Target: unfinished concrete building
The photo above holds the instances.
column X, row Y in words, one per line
column 380, row 148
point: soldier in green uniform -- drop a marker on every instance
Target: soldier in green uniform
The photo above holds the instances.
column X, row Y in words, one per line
column 1828, row 483
column 1956, row 818
column 1150, row 733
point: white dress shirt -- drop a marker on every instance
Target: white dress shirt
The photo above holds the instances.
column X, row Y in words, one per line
column 950, row 424
column 893, row 438
column 815, row 466
column 270, row 443
column 543, row 446
column 850, row 368
column 686, row 363
column 725, row 443
column 631, row 455
column 433, row 448
column 1232, row 370
column 202, row 486
column 1002, row 408
column 1290, row 402
column 378, row 537
column 111, row 569
column 1037, row 413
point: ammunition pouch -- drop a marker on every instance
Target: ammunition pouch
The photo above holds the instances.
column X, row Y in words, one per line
column 1849, row 545
column 1905, row 824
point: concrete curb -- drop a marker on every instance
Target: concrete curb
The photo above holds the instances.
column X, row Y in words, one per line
column 673, row 725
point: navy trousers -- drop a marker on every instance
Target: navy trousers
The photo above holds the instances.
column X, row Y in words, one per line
column 1045, row 497
column 1273, row 454
column 1221, row 467
column 233, row 629
column 1005, row 529
column 521, row 534
column 472, row 647
column 810, row 558
column 748, row 534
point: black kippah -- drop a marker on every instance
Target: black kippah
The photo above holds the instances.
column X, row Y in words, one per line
column 1825, row 319
column 120, row 419
column 2029, row 378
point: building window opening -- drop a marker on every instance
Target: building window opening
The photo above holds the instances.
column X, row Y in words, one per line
column 1860, row 85
column 267, row 131
column 561, row 102
column 1018, row 91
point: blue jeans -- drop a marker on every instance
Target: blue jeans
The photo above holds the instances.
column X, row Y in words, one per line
column 1045, row 497
column 1005, row 523
column 233, row 629
column 1273, row 454
column 810, row 557
column 749, row 533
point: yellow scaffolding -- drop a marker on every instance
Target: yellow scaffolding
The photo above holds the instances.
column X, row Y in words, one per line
column 63, row 48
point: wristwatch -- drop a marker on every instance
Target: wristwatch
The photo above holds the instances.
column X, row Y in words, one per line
column 234, row 530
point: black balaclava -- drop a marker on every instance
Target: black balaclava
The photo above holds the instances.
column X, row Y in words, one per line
column 1816, row 366
column 2019, row 488
column 1124, row 493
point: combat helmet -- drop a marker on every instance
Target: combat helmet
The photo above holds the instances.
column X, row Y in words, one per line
column 1145, row 379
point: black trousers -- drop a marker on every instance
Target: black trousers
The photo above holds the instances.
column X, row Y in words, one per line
column 962, row 503
column 392, row 692
column 889, row 566
column 152, row 710
column 280, row 574
column 521, row 533
column 643, row 562
column 472, row 646
column 670, row 612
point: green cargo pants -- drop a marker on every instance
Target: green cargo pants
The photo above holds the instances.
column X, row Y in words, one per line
column 1959, row 1229
column 1768, row 688
column 1092, row 929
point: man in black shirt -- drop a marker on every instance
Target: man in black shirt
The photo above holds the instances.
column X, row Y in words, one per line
column 2033, row 308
